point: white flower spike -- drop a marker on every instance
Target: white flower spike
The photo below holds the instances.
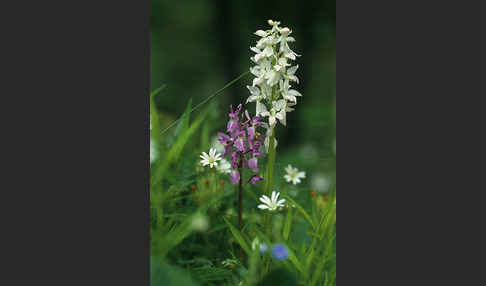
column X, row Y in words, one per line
column 272, row 204
column 210, row 159
column 293, row 175
column 271, row 89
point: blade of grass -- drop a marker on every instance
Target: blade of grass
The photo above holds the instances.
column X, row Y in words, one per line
column 238, row 237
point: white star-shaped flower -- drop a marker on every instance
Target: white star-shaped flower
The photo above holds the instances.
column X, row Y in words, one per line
column 293, row 175
column 271, row 204
column 210, row 159
column 224, row 167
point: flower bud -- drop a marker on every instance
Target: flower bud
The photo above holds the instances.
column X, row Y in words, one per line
column 261, row 33
column 285, row 31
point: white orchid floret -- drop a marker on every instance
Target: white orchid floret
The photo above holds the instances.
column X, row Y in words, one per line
column 271, row 204
column 261, row 33
column 285, row 31
column 293, row 175
column 256, row 95
column 291, row 74
column 272, row 77
column 289, row 106
column 277, row 111
column 210, row 159
column 287, row 93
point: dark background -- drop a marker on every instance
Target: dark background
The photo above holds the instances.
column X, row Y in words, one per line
column 414, row 87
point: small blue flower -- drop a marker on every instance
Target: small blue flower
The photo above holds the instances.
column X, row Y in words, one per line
column 280, row 252
column 263, row 247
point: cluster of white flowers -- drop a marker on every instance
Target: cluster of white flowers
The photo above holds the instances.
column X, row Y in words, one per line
column 271, row 89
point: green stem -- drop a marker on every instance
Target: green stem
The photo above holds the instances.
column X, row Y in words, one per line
column 240, row 201
column 270, row 164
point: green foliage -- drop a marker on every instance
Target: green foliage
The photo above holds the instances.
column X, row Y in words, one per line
column 194, row 240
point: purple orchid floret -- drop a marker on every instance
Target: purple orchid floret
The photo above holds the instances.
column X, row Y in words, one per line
column 242, row 142
column 253, row 164
column 255, row 178
column 234, row 176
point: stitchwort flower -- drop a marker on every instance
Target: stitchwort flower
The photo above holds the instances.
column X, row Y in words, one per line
column 272, row 204
column 210, row 159
column 293, row 175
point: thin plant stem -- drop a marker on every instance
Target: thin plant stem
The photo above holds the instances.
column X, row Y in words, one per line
column 271, row 163
column 240, row 200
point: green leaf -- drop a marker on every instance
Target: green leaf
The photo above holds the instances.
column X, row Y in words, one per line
column 279, row 277
column 163, row 274
column 287, row 225
column 238, row 237
column 183, row 123
column 300, row 209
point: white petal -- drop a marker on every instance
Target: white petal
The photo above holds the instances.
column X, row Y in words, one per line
column 253, row 90
column 262, row 207
column 281, row 116
column 290, row 98
column 264, row 199
column 294, row 92
column 261, row 33
column 271, row 120
column 256, row 50
column 260, row 108
column 279, row 104
column 257, row 81
column 292, row 70
column 273, row 196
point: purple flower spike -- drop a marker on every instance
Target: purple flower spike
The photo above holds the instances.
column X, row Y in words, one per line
column 234, row 176
column 280, row 252
column 240, row 140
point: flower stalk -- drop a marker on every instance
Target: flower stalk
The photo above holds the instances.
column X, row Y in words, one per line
column 270, row 164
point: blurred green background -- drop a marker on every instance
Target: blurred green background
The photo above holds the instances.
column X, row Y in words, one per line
column 196, row 47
